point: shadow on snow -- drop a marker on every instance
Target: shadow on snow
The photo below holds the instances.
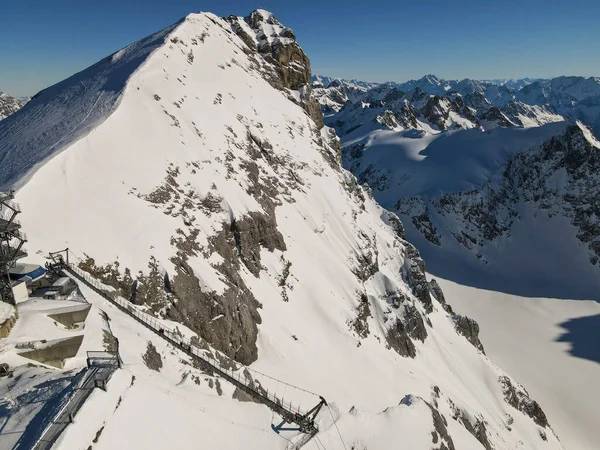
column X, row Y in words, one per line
column 583, row 333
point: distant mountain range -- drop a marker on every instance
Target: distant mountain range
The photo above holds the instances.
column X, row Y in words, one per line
column 575, row 98
column 496, row 181
column 10, row 105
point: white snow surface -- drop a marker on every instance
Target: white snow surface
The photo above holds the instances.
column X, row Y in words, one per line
column 191, row 116
column 529, row 337
column 6, row 311
column 433, row 163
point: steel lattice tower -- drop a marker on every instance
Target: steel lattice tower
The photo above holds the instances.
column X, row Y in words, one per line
column 11, row 243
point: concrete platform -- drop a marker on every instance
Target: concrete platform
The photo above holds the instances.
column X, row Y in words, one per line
column 71, row 315
column 54, row 353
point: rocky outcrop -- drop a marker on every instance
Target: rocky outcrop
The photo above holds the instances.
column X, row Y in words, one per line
column 394, row 221
column 475, row 425
column 440, row 433
column 359, row 325
column 437, row 292
column 437, row 111
column 152, row 358
column 414, row 273
column 110, row 275
column 253, row 232
column 517, row 397
column 469, row 328
column 407, row 327
column 495, row 115
column 228, row 320
column 440, row 436
column 277, row 45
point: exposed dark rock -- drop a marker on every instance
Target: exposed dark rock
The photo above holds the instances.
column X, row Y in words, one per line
column 363, row 311
column 437, row 111
column 440, row 429
column 414, row 268
column 253, row 232
column 109, row 275
column 477, row 429
column 367, row 263
column 291, row 65
column 150, row 288
column 98, row 434
column 4, row 370
column 311, row 105
column 394, row 221
column 239, row 30
column 495, row 115
column 227, row 321
column 415, row 325
column 469, row 328
column 517, row 397
column 152, row 358
column 409, row 326
column 437, row 292
column 398, row 339
column 440, row 424
column 425, row 226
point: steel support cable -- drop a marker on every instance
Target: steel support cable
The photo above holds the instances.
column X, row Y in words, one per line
column 320, row 443
column 283, row 382
column 336, row 427
column 155, row 325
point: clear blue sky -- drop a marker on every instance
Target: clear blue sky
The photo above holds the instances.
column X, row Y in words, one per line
column 44, row 41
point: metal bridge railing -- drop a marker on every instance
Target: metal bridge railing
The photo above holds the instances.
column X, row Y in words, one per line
column 291, row 412
column 95, row 375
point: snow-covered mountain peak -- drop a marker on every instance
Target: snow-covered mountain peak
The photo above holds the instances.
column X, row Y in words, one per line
column 194, row 176
column 9, row 105
column 268, row 29
column 588, row 134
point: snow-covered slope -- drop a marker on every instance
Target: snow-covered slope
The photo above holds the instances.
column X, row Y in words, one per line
column 195, row 162
column 577, row 98
column 530, row 228
column 61, row 114
column 549, row 344
column 9, row 105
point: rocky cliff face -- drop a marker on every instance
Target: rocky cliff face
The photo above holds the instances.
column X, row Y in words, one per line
column 263, row 34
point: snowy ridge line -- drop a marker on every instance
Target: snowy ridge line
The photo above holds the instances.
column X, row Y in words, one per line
column 289, row 412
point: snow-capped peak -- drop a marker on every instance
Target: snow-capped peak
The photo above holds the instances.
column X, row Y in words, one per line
column 192, row 173
column 589, row 135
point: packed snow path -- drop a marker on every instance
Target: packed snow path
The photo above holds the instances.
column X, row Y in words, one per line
column 291, row 413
